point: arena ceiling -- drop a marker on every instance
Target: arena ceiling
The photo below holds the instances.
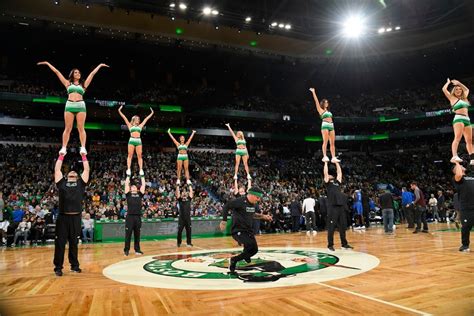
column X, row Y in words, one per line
column 307, row 19
column 308, row 29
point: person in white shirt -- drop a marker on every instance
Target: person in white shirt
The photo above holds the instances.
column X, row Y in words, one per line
column 310, row 216
column 3, row 230
column 433, row 203
column 88, row 227
column 23, row 230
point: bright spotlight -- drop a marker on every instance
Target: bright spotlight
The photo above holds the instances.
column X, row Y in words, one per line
column 353, row 27
column 274, row 24
column 172, row 5
column 389, row 29
column 288, row 26
column 182, row 6
column 397, row 28
column 215, row 12
column 381, row 30
column 281, row 25
column 248, row 19
column 206, row 11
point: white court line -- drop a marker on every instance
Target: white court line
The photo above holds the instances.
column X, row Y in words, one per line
column 375, row 299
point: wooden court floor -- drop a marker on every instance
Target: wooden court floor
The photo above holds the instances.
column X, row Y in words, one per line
column 417, row 274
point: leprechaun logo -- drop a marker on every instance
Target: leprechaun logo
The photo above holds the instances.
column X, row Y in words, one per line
column 270, row 267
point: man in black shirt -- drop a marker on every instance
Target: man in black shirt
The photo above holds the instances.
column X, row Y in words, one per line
column 386, row 204
column 133, row 221
column 323, row 209
column 366, row 207
column 68, row 224
column 243, row 213
column 465, row 187
column 336, row 204
column 295, row 209
column 184, row 204
column 441, row 206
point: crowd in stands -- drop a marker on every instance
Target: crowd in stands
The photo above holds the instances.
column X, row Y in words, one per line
column 31, row 200
column 393, row 102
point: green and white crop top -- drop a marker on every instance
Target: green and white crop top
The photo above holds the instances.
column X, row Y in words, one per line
column 460, row 104
column 136, row 129
column 326, row 114
column 72, row 88
column 241, row 142
column 182, row 147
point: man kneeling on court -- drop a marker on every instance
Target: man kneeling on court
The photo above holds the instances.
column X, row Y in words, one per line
column 243, row 213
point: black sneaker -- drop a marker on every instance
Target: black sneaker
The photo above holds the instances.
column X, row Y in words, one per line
column 233, row 265
column 178, row 245
column 126, row 253
column 138, row 253
column 58, row 272
column 347, row 247
column 76, row 270
column 416, row 232
column 424, row 231
column 464, row 249
column 331, row 248
column 248, row 260
column 189, row 245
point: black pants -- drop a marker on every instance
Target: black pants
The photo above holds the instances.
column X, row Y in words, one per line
column 366, row 214
column 68, row 229
column 2, row 235
column 296, row 223
column 184, row 223
column 37, row 234
column 133, row 224
column 337, row 217
column 420, row 216
column 410, row 215
column 467, row 221
column 442, row 214
column 250, row 245
column 310, row 218
column 321, row 220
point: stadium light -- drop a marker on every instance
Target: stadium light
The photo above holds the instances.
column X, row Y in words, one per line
column 281, row 25
column 56, row 2
column 397, row 28
column 288, row 26
column 353, row 27
column 274, row 24
column 206, row 11
column 389, row 29
column 381, row 30
column 248, row 19
column 215, row 12
column 182, row 6
column 172, row 5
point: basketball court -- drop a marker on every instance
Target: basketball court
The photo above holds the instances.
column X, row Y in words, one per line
column 403, row 274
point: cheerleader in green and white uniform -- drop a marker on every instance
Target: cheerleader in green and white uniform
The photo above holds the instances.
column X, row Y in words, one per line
column 327, row 128
column 182, row 159
column 135, row 142
column 75, row 105
column 241, row 152
column 461, row 123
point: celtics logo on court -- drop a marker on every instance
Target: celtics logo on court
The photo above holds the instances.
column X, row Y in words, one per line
column 270, row 267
